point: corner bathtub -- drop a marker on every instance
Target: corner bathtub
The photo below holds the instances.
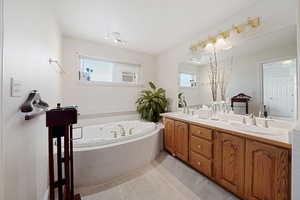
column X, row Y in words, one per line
column 100, row 156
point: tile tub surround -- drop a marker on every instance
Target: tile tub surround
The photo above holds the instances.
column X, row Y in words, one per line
column 97, row 164
column 165, row 178
column 282, row 140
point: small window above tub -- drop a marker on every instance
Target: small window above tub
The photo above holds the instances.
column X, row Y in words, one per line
column 108, row 72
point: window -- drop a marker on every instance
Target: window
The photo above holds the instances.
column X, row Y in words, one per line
column 187, row 80
column 108, row 71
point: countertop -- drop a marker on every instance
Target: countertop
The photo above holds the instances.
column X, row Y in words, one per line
column 281, row 140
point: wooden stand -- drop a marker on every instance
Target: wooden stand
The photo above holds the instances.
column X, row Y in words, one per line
column 59, row 122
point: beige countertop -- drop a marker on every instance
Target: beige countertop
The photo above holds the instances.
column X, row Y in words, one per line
column 281, row 139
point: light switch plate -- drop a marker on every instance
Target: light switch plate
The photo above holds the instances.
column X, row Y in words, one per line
column 16, row 88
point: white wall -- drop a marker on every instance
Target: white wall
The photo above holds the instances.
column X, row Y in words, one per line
column 295, row 135
column 31, row 36
column 272, row 18
column 1, row 104
column 92, row 98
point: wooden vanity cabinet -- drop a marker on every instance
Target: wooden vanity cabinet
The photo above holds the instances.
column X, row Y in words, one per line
column 176, row 138
column 250, row 169
column 169, row 134
column 266, row 172
column 201, row 149
column 181, row 140
column 229, row 162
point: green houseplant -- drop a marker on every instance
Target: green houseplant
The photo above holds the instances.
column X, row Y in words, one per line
column 152, row 103
column 181, row 100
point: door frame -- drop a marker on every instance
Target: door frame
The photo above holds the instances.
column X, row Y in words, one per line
column 261, row 85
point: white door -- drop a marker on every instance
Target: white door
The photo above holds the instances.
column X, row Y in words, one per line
column 280, row 89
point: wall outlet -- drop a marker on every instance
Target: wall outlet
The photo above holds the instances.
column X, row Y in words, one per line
column 16, row 88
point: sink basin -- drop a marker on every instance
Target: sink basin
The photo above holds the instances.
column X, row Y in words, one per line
column 257, row 130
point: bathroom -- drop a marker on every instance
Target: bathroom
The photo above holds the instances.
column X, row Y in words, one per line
column 56, row 47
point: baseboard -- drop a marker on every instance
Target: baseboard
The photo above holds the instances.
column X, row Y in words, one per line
column 46, row 195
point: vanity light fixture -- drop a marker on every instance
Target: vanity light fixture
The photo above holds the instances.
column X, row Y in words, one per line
column 223, row 44
column 212, row 40
column 203, row 44
column 239, row 29
column 209, row 47
column 254, row 23
column 223, row 36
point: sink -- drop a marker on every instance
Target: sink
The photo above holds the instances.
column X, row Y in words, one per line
column 257, row 129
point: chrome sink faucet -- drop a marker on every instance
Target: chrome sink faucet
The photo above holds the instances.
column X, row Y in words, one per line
column 186, row 109
column 266, row 122
column 244, row 120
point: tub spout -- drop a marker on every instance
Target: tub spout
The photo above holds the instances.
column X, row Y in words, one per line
column 130, row 131
column 115, row 134
column 123, row 132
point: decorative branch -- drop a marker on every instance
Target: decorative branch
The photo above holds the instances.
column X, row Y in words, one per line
column 219, row 75
column 213, row 75
column 225, row 75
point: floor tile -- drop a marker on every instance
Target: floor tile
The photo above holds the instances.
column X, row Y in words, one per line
column 165, row 178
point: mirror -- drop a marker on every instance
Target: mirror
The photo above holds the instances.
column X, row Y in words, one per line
column 257, row 75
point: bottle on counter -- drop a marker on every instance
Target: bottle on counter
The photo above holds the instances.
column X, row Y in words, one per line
column 265, row 111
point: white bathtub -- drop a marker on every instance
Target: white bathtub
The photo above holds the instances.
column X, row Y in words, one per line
column 100, row 156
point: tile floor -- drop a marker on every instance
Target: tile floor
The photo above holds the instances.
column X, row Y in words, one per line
column 166, row 178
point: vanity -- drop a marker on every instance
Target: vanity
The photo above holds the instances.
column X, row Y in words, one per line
column 252, row 165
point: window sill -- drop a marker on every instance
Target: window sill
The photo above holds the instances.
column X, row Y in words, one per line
column 108, row 84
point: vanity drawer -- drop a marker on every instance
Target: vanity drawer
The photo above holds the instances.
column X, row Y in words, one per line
column 201, row 146
column 201, row 163
column 201, row 132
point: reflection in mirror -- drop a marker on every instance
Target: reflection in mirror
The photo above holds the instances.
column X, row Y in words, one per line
column 260, row 64
column 279, row 88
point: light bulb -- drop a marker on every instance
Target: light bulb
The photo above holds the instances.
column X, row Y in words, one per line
column 220, row 43
column 223, row 44
column 209, row 47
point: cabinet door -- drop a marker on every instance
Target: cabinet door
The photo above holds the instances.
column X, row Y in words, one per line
column 267, row 172
column 169, row 135
column 181, row 140
column 230, row 152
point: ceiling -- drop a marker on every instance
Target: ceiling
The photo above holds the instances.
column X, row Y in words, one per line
column 149, row 26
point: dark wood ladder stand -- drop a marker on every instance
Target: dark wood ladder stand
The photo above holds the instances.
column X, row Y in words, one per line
column 59, row 122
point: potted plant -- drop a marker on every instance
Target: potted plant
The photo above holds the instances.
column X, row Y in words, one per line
column 181, row 100
column 152, row 103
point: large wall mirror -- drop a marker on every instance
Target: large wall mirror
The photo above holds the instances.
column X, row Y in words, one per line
column 259, row 65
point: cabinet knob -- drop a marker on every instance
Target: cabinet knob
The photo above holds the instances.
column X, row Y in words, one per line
column 199, row 163
column 199, row 146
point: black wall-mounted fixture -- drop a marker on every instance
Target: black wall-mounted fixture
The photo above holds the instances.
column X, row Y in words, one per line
column 34, row 105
